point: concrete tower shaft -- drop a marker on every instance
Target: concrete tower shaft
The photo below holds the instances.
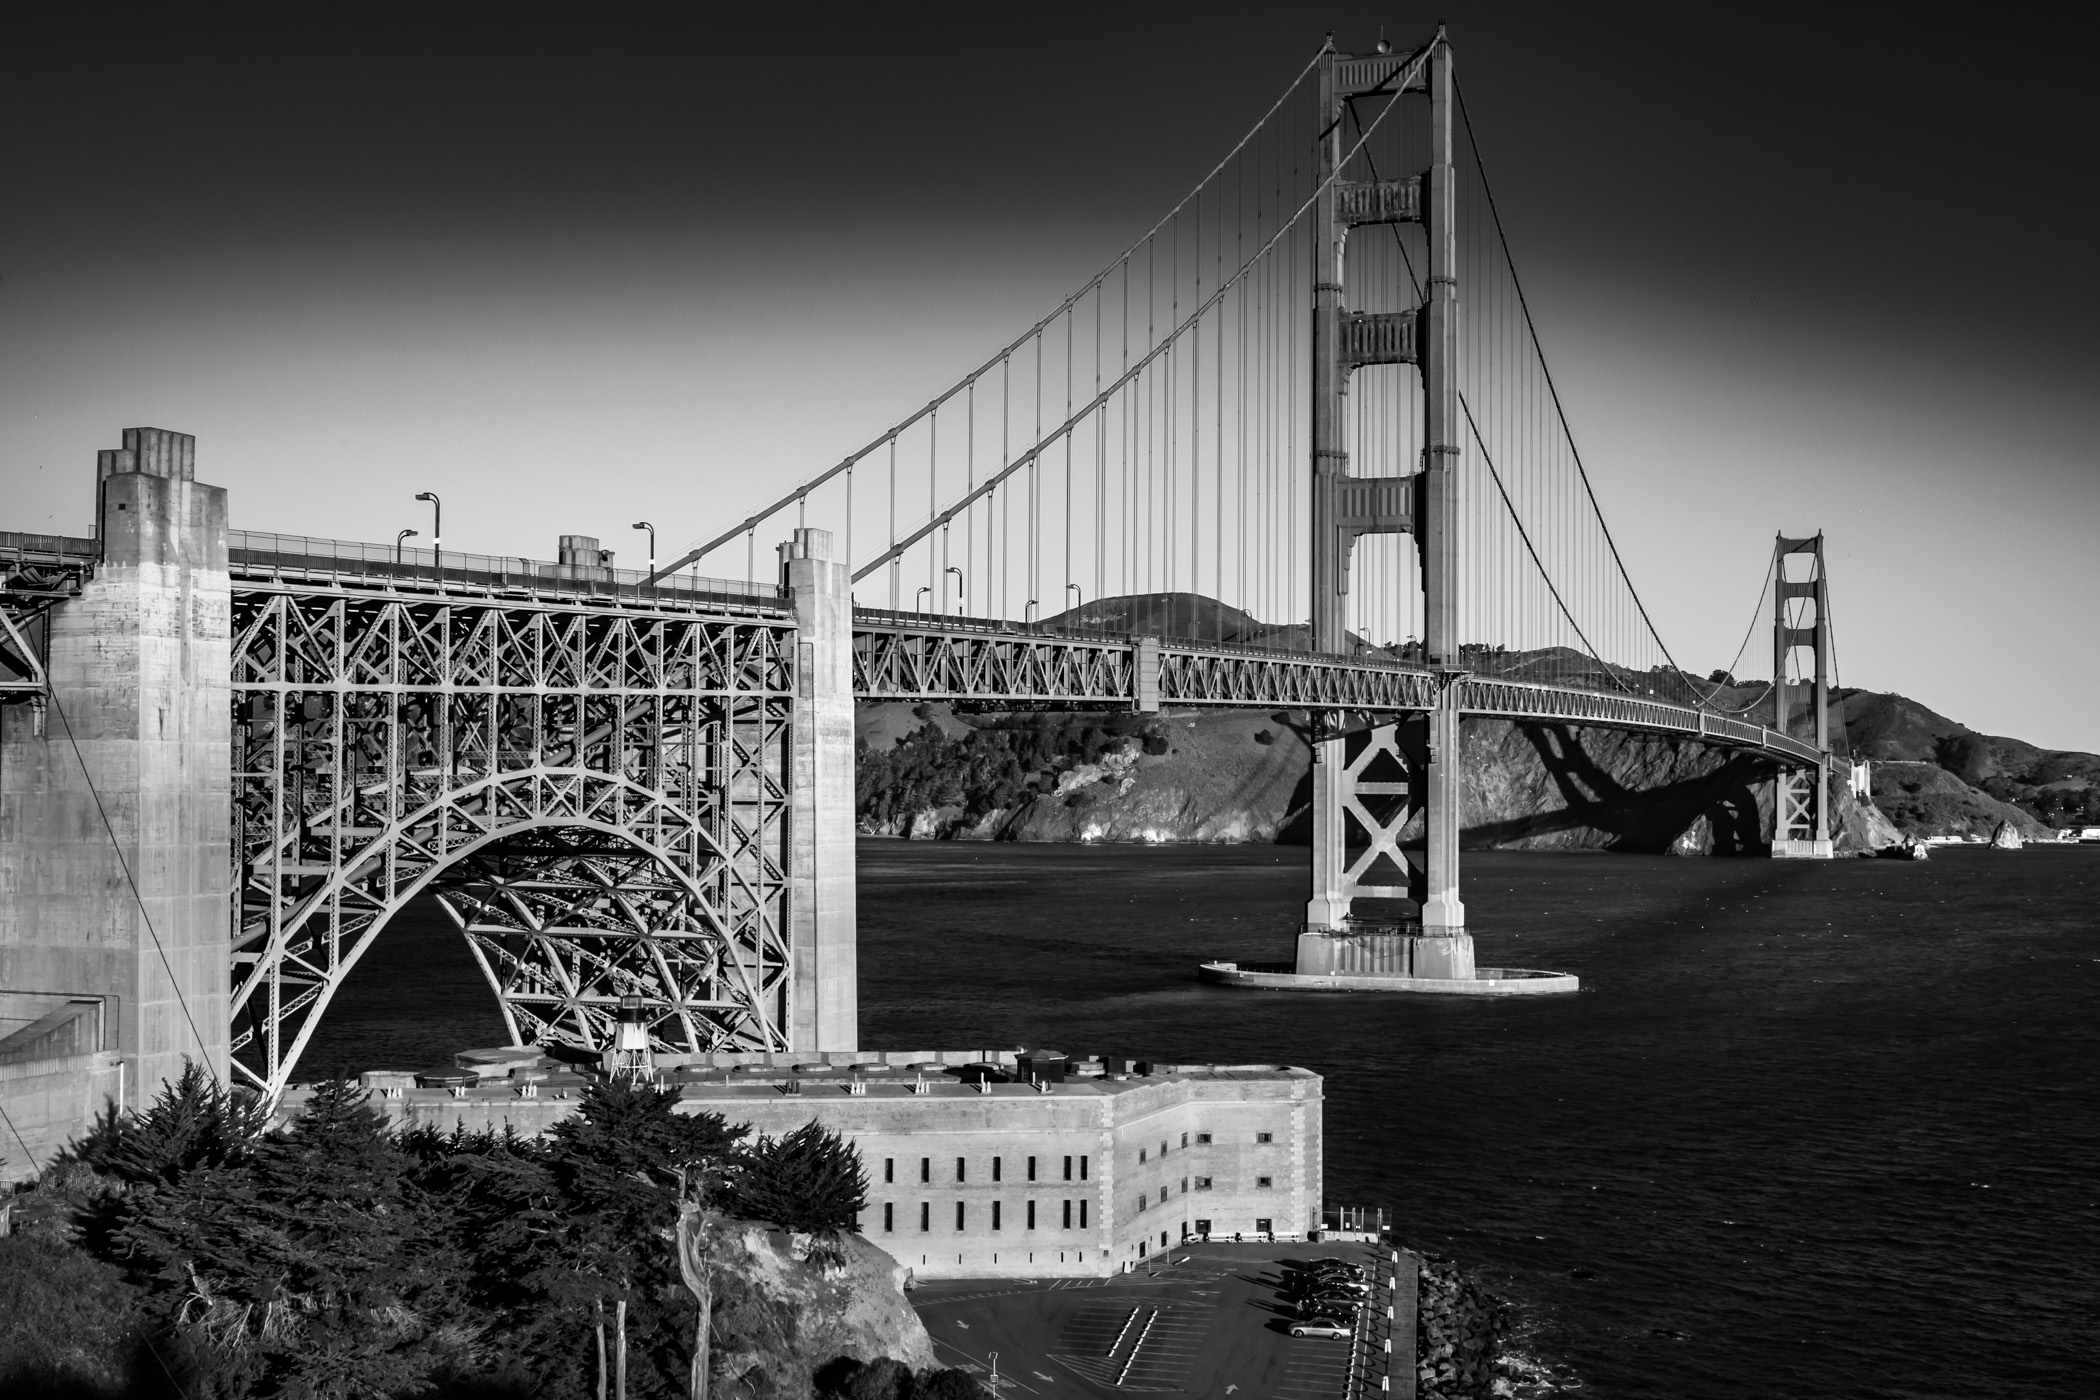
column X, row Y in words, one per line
column 115, row 815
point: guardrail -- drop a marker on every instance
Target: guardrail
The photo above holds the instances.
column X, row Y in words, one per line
column 253, row 554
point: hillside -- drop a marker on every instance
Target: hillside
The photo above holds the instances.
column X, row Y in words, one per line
column 2054, row 787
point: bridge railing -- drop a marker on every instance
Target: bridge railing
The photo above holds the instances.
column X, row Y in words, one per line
column 1529, row 700
column 309, row 559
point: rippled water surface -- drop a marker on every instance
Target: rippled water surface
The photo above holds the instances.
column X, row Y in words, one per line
column 1809, row 1129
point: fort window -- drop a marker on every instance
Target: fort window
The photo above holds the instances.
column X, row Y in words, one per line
column 926, row 1169
column 960, row 1173
column 1082, row 1214
column 1031, row 1214
column 1203, row 1183
column 1263, row 1225
column 1141, row 1154
column 889, row 1169
column 1265, row 1137
column 925, row 1215
column 1068, row 1168
column 1162, row 1149
column 1202, row 1138
column 959, row 1208
column 997, row 1168
column 1031, row 1168
column 1082, row 1167
column 1184, row 1186
column 1263, row 1183
column 1203, row 1227
column 889, row 1216
column 1184, row 1139
column 995, row 1215
column 1068, row 1215
column 1141, row 1200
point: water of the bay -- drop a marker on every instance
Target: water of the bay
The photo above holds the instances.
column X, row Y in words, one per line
column 1809, row 1129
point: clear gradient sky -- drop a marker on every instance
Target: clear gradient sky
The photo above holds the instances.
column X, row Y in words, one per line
column 577, row 268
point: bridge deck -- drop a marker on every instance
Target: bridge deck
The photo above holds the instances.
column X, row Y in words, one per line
column 922, row 656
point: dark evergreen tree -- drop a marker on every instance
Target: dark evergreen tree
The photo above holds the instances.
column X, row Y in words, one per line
column 193, row 1123
column 946, row 1385
column 810, row 1180
column 314, row 1268
column 618, row 1167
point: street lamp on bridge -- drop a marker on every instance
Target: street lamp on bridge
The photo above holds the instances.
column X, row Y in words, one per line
column 437, row 532
column 645, row 525
column 962, row 594
column 918, row 597
column 404, row 535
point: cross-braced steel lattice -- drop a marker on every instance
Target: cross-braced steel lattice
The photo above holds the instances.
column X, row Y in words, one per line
column 607, row 786
column 566, row 922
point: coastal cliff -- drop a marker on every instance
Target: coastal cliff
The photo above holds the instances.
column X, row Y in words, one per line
column 783, row 1314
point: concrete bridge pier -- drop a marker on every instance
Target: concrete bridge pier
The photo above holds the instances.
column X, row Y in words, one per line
column 823, row 932
column 115, row 813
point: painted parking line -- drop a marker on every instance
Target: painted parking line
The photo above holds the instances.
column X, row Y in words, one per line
column 978, row 1366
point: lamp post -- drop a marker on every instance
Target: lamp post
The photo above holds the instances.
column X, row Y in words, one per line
column 437, row 532
column 961, row 592
column 404, row 535
column 645, row 525
column 924, row 589
column 1028, row 616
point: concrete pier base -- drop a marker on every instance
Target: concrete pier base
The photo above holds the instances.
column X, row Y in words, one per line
column 1387, row 960
column 1385, row 953
column 1485, row 981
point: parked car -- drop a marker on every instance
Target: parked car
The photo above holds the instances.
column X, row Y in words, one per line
column 1333, row 1283
column 1337, row 1266
column 1322, row 1327
column 1327, row 1304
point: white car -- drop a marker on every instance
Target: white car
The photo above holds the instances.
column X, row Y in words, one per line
column 1322, row 1327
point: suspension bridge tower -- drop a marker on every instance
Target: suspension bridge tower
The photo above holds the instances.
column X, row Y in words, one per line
column 1801, row 809
column 1375, row 784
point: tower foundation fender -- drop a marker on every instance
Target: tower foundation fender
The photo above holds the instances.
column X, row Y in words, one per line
column 823, row 881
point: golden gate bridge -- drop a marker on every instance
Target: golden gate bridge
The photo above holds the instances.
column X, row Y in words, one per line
column 1296, row 447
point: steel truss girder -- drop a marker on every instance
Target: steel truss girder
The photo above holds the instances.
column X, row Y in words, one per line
column 943, row 661
column 385, row 746
column 953, row 663
column 1530, row 700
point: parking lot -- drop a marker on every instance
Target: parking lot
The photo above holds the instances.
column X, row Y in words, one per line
column 1210, row 1320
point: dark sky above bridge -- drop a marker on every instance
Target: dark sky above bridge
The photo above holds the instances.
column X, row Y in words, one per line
column 574, row 271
